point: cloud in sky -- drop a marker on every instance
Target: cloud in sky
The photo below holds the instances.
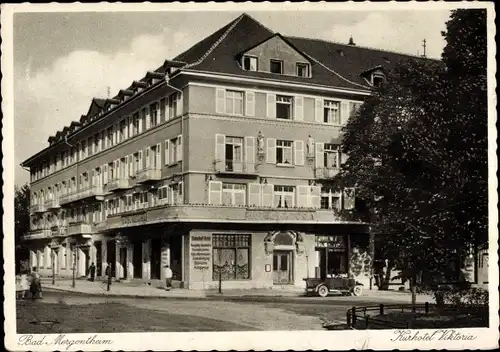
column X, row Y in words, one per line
column 49, row 99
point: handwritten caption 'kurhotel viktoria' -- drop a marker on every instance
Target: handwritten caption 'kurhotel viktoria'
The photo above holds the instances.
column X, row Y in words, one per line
column 60, row 340
column 438, row 335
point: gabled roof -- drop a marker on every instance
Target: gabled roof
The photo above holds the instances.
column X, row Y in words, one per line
column 96, row 106
column 270, row 37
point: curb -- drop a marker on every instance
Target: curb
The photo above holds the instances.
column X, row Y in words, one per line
column 121, row 295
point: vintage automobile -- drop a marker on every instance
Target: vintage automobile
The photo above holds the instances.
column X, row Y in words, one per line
column 333, row 285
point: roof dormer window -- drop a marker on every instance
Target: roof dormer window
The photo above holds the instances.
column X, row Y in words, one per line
column 249, row 63
column 276, row 66
column 303, row 70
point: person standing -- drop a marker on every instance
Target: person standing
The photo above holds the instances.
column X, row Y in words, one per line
column 36, row 286
column 168, row 278
column 92, row 272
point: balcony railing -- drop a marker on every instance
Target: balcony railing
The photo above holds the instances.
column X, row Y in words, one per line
column 59, row 230
column 52, row 204
column 37, row 208
column 87, row 192
column 36, row 234
column 79, row 228
column 148, row 174
column 118, row 184
column 326, row 172
column 235, row 167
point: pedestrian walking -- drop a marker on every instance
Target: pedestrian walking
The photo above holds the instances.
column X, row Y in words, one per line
column 168, row 278
column 36, row 285
column 92, row 272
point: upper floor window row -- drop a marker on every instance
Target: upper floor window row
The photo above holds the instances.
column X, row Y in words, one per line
column 128, row 127
column 276, row 66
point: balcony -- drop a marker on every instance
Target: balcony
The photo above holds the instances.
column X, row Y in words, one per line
column 324, row 173
column 84, row 193
column 37, row 234
column 79, row 228
column 37, row 208
column 52, row 204
column 232, row 167
column 118, row 184
column 148, row 174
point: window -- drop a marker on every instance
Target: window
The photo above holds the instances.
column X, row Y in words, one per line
column 153, row 114
column 250, row 63
column 121, row 133
column 234, row 153
column 233, row 194
column 175, row 150
column 162, row 109
column 175, row 192
column 303, row 70
column 89, row 146
column 234, row 102
column 135, row 124
column 330, row 199
column 163, row 195
column 377, row 80
column 353, row 108
column 284, row 107
column 284, row 152
column 137, row 164
column 331, row 112
column 276, row 66
column 331, row 156
column 172, row 105
column 231, row 257
column 284, row 196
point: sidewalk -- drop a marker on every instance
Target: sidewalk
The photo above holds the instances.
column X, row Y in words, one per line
column 146, row 291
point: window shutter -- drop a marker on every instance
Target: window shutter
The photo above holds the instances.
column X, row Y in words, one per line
column 131, row 126
column 318, row 110
column 250, row 103
column 126, row 126
column 299, row 152
column 343, row 157
column 250, row 154
column 126, row 170
column 141, row 161
column 117, row 169
column 220, row 152
column 115, row 134
column 180, row 104
column 215, row 192
column 147, row 116
column 267, row 195
column 302, row 196
column 320, row 149
column 315, row 197
column 271, row 105
column 271, row 151
column 148, row 156
column 131, row 165
column 158, row 156
column 167, row 154
column 178, row 157
column 167, row 109
column 344, row 112
column 299, row 108
column 220, row 100
column 105, row 174
column 254, row 194
column 141, row 121
column 349, row 198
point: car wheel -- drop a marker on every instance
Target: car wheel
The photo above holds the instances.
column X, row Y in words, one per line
column 357, row 290
column 323, row 291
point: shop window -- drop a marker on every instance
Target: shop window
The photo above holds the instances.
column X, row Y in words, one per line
column 231, row 257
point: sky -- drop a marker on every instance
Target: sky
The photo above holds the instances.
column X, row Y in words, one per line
column 64, row 59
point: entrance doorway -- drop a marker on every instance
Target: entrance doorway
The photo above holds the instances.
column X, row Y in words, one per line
column 98, row 257
column 123, row 261
column 137, row 259
column 282, row 267
column 155, row 259
column 84, row 261
column 176, row 257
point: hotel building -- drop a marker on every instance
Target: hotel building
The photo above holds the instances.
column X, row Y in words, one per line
column 218, row 163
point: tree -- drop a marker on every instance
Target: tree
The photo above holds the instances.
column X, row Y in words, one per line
column 418, row 155
column 22, row 222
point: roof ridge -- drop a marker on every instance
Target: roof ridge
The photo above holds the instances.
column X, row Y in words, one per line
column 362, row 47
column 217, row 42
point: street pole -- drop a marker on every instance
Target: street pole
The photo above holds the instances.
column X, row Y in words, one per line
column 109, row 279
column 74, row 266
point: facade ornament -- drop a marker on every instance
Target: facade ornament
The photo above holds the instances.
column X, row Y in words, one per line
column 260, row 143
column 310, row 146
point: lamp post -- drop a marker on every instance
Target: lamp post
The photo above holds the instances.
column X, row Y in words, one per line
column 53, row 268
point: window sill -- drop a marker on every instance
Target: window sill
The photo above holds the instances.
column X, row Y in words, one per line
column 285, row 165
column 174, row 164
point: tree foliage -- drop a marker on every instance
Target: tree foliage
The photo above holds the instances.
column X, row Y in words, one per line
column 418, row 153
column 22, row 220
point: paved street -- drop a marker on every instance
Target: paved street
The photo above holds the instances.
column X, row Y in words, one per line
column 81, row 312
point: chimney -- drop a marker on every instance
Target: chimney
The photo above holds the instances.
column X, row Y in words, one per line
column 351, row 41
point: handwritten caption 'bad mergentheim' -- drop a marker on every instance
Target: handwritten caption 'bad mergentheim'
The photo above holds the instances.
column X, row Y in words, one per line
column 438, row 335
column 60, row 340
